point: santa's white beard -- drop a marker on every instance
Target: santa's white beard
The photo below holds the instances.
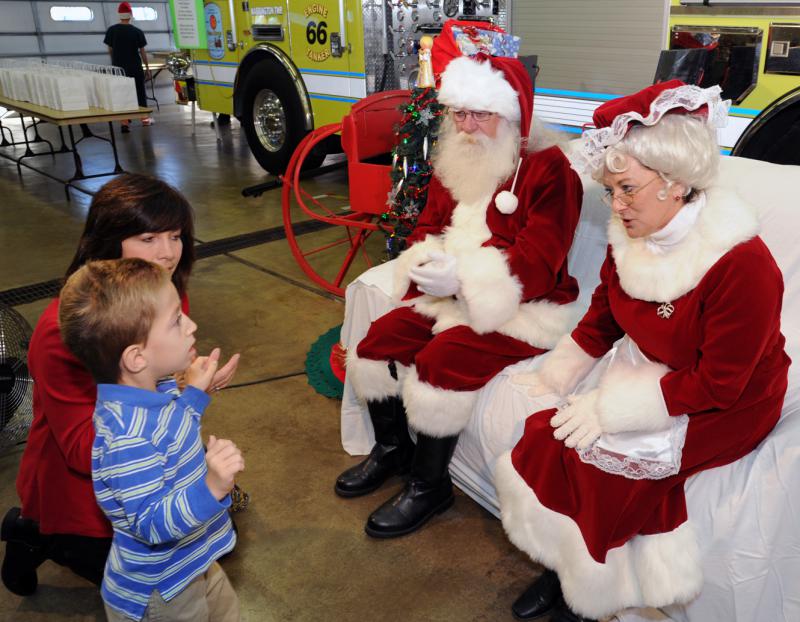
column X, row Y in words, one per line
column 471, row 166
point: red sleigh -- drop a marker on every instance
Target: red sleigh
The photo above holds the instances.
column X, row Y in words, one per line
column 368, row 136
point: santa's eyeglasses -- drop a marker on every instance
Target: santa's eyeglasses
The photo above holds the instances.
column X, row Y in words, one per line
column 480, row 116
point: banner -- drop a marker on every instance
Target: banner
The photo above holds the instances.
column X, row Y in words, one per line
column 188, row 24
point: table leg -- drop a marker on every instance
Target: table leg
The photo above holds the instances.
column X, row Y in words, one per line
column 117, row 167
column 28, row 150
column 193, row 117
column 37, row 138
column 3, row 130
column 75, row 156
column 64, row 148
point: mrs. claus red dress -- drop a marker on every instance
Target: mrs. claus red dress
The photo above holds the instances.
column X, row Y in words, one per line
column 614, row 540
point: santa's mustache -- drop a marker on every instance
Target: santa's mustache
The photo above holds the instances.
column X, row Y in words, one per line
column 475, row 138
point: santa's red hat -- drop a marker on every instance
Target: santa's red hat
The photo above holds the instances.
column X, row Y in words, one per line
column 614, row 118
column 480, row 71
column 482, row 81
column 124, row 10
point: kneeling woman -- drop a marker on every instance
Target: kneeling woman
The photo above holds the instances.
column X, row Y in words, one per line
column 130, row 216
column 594, row 490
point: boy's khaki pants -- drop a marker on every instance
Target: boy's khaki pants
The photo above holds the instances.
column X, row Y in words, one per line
column 208, row 598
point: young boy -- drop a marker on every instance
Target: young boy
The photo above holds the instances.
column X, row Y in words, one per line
column 165, row 497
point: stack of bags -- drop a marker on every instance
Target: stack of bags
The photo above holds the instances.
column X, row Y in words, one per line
column 67, row 86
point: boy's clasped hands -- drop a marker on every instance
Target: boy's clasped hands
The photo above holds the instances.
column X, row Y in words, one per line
column 223, row 458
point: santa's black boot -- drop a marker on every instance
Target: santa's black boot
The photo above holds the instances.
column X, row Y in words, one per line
column 25, row 552
column 391, row 454
column 539, row 598
column 429, row 491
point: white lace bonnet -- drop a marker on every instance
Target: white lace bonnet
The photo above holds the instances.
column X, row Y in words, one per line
column 684, row 98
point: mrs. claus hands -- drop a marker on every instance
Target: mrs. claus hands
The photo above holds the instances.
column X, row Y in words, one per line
column 577, row 423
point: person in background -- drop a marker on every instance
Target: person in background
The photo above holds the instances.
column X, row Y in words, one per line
column 126, row 45
column 130, row 216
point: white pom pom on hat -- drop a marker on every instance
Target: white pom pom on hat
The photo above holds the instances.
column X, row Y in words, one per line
column 505, row 201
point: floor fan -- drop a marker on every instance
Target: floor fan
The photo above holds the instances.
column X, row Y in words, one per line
column 16, row 384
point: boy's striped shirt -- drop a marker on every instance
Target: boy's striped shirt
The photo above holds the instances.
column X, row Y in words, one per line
column 149, row 470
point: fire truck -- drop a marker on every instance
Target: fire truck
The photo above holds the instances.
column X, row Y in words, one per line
column 591, row 52
column 752, row 50
column 284, row 67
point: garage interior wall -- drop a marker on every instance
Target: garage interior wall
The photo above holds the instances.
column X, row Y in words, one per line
column 599, row 46
column 28, row 30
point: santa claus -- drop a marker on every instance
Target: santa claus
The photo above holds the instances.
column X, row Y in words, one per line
column 483, row 283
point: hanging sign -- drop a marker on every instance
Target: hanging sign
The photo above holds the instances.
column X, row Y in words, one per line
column 188, row 24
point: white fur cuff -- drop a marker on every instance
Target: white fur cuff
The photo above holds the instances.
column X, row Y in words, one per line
column 492, row 294
column 371, row 379
column 434, row 411
column 413, row 256
column 566, row 366
column 630, row 399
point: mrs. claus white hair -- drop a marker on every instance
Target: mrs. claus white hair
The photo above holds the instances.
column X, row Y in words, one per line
column 682, row 149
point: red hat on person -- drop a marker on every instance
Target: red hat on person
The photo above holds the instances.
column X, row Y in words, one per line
column 642, row 103
column 613, row 119
column 483, row 81
column 124, row 10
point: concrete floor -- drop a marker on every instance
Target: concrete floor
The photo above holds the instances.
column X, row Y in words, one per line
column 302, row 552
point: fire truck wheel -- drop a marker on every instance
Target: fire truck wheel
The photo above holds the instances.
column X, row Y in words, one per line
column 774, row 134
column 272, row 117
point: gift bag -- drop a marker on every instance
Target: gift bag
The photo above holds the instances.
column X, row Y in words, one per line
column 123, row 94
column 71, row 93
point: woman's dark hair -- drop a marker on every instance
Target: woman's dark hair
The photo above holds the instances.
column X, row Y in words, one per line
column 130, row 205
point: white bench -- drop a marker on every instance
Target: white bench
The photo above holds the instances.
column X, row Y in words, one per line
column 747, row 514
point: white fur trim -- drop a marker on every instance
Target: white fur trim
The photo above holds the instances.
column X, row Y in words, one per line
column 371, row 379
column 468, row 229
column 647, row 571
column 413, row 256
column 470, row 85
column 434, row 411
column 564, row 367
column 725, row 221
column 491, row 293
column 542, row 323
column 630, row 399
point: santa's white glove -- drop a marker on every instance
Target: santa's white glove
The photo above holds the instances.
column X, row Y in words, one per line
column 535, row 383
column 577, row 424
column 437, row 277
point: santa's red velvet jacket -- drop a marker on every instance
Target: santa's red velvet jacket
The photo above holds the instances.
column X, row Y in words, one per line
column 512, row 267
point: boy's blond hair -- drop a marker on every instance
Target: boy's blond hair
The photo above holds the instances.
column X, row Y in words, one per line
column 106, row 306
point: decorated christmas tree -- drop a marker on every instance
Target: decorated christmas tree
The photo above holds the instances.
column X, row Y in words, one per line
column 411, row 164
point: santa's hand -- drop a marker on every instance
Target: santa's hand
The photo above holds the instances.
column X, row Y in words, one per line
column 438, row 277
column 577, row 423
column 535, row 383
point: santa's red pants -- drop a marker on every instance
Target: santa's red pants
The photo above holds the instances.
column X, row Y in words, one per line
column 457, row 359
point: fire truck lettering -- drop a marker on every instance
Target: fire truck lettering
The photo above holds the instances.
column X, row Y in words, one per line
column 316, row 9
column 318, row 56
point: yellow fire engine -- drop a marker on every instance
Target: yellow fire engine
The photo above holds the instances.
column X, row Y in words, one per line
column 752, row 50
column 284, row 67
